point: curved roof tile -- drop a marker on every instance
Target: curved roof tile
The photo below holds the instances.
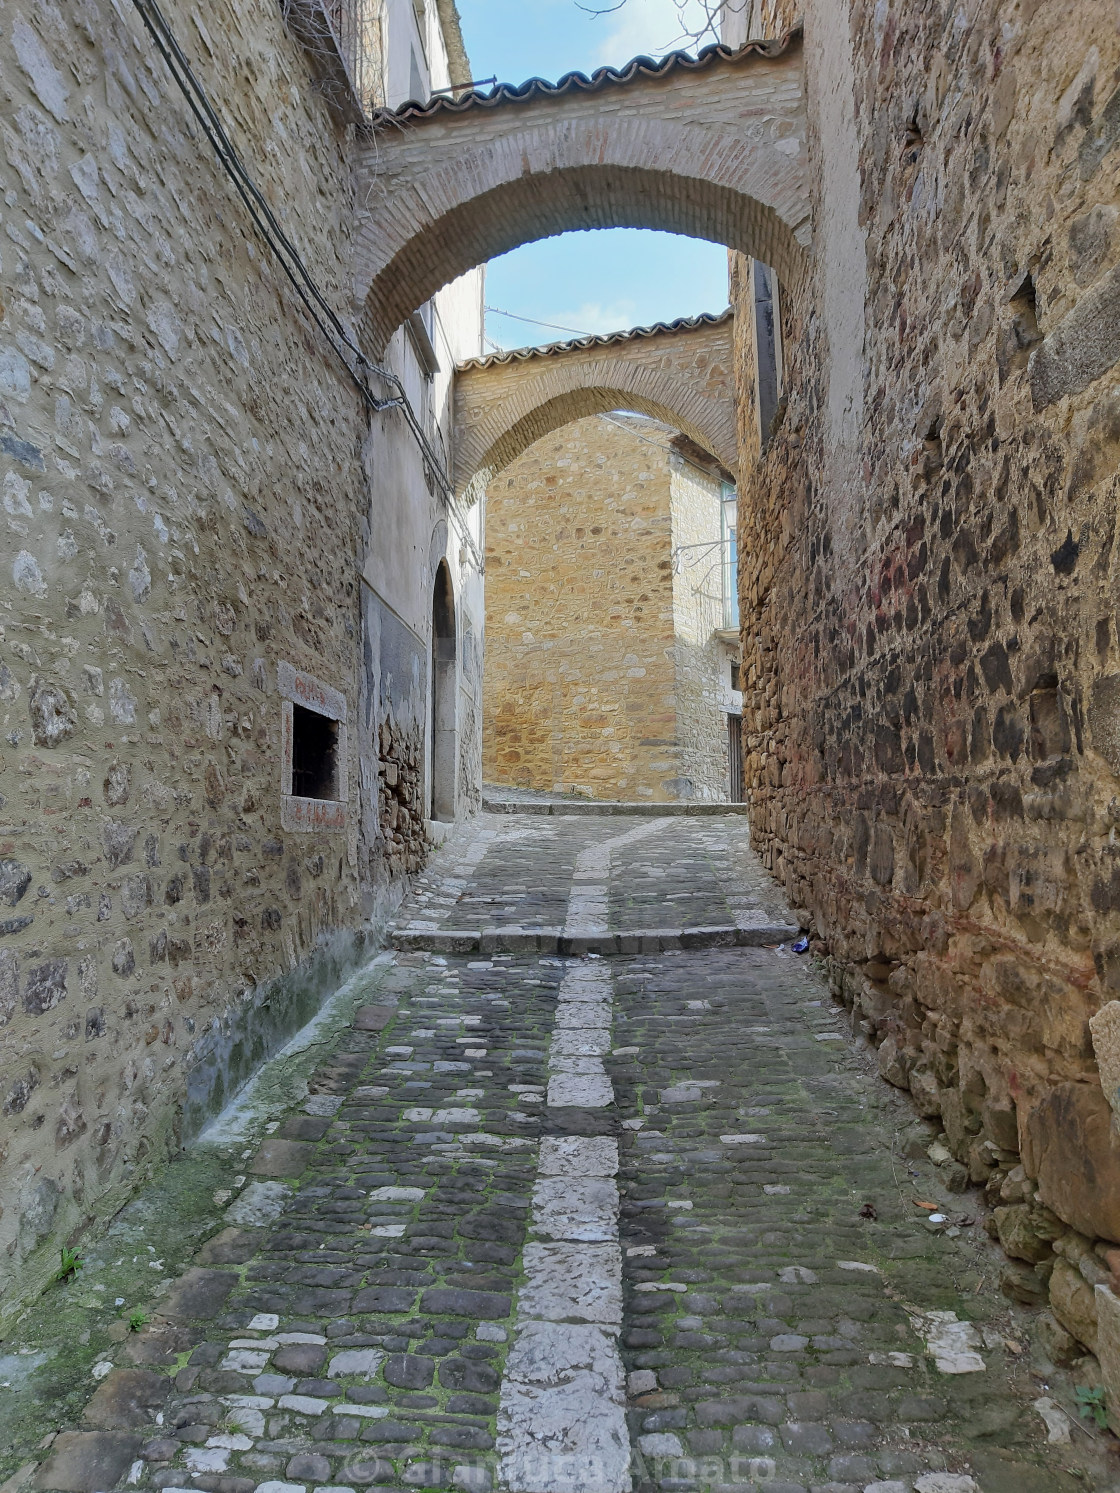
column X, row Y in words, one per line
column 603, row 77
column 605, row 339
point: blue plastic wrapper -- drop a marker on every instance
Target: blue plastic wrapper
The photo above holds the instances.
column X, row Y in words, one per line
column 801, row 945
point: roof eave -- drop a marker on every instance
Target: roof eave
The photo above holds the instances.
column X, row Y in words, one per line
column 506, row 94
column 601, row 339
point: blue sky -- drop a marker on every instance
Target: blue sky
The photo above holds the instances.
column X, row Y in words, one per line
column 586, row 282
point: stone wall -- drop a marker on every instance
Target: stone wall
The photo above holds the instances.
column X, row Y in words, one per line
column 578, row 685
column 929, row 578
column 187, row 516
column 177, row 459
column 602, row 676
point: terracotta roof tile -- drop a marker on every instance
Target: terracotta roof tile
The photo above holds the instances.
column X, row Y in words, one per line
column 606, row 339
column 602, row 78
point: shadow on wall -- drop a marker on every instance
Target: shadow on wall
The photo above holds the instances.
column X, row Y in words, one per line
column 247, row 1034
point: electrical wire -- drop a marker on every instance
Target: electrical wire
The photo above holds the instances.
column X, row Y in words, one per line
column 645, row 439
column 535, row 322
column 264, row 220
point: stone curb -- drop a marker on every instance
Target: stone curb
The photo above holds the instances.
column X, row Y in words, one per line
column 612, row 808
column 556, row 941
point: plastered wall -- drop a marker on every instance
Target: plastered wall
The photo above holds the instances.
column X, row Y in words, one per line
column 702, row 663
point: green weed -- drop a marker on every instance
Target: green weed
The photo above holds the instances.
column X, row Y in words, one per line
column 70, row 1263
column 1090, row 1405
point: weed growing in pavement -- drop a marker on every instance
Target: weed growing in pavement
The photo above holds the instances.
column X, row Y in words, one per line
column 1090, row 1405
column 70, row 1263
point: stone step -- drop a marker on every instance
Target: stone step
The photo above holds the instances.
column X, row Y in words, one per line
column 611, row 807
column 514, row 940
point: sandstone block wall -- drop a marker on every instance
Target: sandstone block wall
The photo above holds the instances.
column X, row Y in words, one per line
column 578, row 682
column 930, row 574
column 600, row 675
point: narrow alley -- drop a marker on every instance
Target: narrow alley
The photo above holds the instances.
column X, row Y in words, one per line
column 591, row 1187
column 560, row 899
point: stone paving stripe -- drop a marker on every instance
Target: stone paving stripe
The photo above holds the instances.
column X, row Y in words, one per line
column 575, row 1208
column 562, row 1423
column 588, row 902
column 562, row 1412
column 567, row 1282
column 578, row 1156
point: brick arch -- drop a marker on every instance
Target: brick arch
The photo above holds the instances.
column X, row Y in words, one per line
column 680, row 374
column 712, row 147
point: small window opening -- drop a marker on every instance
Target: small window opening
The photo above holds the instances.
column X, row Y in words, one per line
column 768, row 350
column 314, row 755
column 913, row 136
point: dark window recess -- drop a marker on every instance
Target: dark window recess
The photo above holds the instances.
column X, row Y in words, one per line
column 766, row 349
column 314, row 755
column 735, row 756
column 735, row 684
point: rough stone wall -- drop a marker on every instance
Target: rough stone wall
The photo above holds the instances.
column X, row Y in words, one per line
column 179, row 464
column 928, row 587
column 579, row 680
column 701, row 662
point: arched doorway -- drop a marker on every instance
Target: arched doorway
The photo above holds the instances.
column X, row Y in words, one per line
column 442, row 712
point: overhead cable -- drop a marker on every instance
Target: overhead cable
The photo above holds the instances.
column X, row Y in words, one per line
column 536, row 322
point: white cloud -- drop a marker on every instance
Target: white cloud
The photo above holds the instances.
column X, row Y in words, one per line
column 598, row 316
column 652, row 28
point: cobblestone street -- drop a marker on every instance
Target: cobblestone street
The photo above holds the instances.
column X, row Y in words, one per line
column 595, row 1190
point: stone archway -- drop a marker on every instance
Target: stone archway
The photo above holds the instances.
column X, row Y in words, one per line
column 679, row 373
column 712, row 147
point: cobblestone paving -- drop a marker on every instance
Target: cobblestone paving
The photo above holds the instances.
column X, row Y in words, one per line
column 502, row 871
column 663, row 873
column 517, row 1179
column 769, row 1326
column 692, row 873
